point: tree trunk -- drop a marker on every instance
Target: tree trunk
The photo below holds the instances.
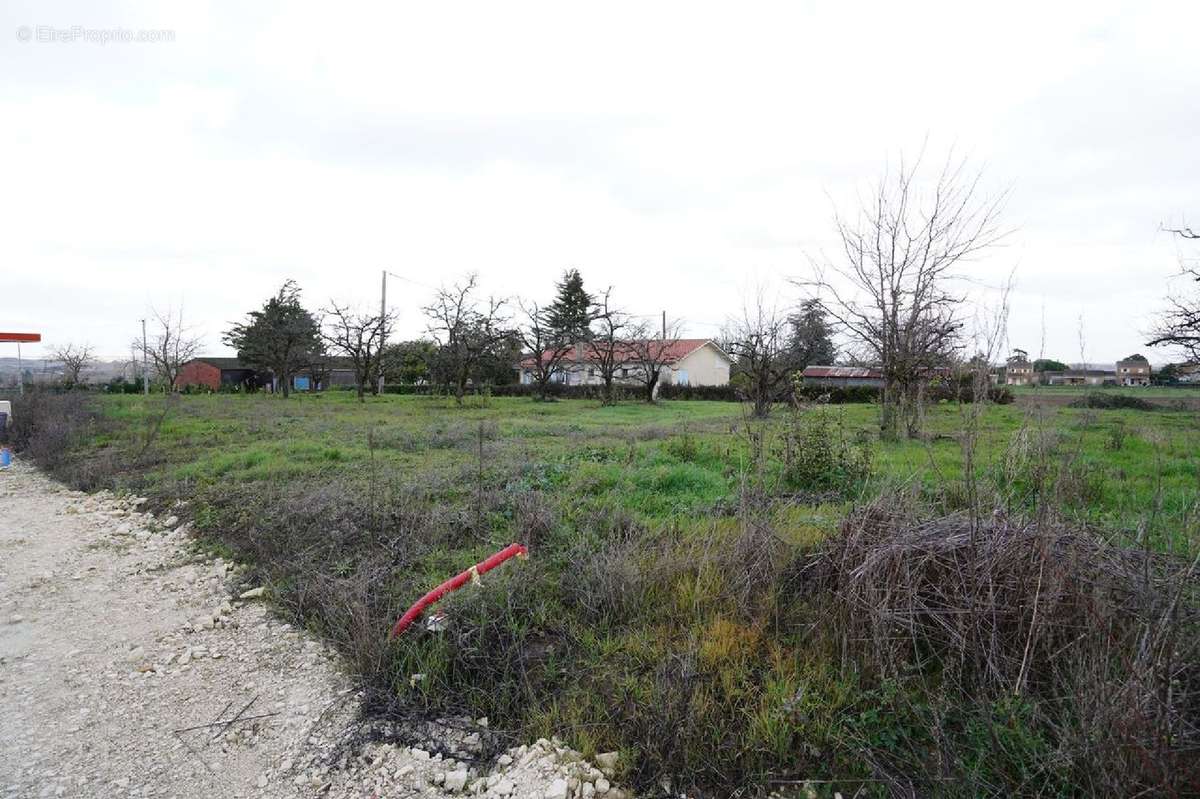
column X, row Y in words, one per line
column 608, row 390
column 888, row 423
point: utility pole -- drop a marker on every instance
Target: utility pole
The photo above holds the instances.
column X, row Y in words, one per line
column 20, row 372
column 145, row 376
column 664, row 338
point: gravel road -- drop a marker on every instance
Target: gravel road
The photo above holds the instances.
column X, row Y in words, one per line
column 116, row 636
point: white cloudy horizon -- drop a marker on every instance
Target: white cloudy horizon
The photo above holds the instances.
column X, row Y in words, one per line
column 684, row 154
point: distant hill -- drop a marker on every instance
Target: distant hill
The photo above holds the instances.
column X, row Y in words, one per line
column 40, row 370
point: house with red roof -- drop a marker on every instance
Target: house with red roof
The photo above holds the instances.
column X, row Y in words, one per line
column 688, row 362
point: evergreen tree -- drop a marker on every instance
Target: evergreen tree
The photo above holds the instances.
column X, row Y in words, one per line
column 1049, row 365
column 283, row 337
column 812, row 340
column 570, row 315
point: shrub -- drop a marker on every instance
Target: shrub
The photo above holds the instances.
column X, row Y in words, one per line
column 47, row 425
column 1101, row 401
column 820, row 456
column 726, row 393
column 939, row 392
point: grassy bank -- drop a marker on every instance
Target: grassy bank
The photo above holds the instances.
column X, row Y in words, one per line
column 680, row 602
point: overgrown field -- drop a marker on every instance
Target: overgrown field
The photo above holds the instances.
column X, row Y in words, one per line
column 1006, row 605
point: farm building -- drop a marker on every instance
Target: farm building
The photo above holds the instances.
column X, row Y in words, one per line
column 221, row 373
column 228, row 374
column 842, row 376
column 689, row 362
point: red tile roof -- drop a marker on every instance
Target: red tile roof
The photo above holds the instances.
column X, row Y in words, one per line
column 675, row 351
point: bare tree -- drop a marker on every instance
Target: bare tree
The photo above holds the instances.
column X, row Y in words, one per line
column 466, row 330
column 171, row 346
column 547, row 344
column 74, row 360
column 650, row 356
column 890, row 291
column 610, row 348
column 759, row 343
column 1178, row 325
column 359, row 337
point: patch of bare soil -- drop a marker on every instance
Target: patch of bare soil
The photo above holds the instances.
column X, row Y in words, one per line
column 1062, row 399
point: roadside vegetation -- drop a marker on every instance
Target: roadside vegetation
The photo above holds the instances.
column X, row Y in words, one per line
column 735, row 603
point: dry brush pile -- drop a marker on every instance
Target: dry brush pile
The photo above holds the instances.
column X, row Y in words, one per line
column 1098, row 644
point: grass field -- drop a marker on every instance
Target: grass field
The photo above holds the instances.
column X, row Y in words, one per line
column 658, row 462
column 651, row 616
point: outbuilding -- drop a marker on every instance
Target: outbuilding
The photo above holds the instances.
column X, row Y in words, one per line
column 221, row 373
column 843, row 376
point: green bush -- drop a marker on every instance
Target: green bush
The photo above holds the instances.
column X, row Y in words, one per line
column 821, row 456
column 1101, row 401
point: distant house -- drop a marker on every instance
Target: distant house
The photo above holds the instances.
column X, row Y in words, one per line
column 1133, row 371
column 688, row 362
column 843, row 376
column 1018, row 370
column 1081, row 377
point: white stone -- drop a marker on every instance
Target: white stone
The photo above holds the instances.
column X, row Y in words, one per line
column 557, row 790
column 253, row 593
column 457, row 780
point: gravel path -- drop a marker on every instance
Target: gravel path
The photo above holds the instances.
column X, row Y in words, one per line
column 115, row 634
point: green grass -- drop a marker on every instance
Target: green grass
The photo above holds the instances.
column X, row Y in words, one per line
column 655, row 461
column 624, row 630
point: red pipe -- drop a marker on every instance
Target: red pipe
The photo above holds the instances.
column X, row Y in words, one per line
column 453, row 584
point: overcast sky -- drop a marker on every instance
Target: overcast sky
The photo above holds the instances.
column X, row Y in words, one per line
column 683, row 153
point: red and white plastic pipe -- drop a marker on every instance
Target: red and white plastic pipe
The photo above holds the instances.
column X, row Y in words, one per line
column 453, row 584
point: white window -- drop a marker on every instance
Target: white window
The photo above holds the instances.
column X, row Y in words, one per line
column 681, row 377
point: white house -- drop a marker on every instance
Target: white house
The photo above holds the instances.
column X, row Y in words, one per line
column 687, row 362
